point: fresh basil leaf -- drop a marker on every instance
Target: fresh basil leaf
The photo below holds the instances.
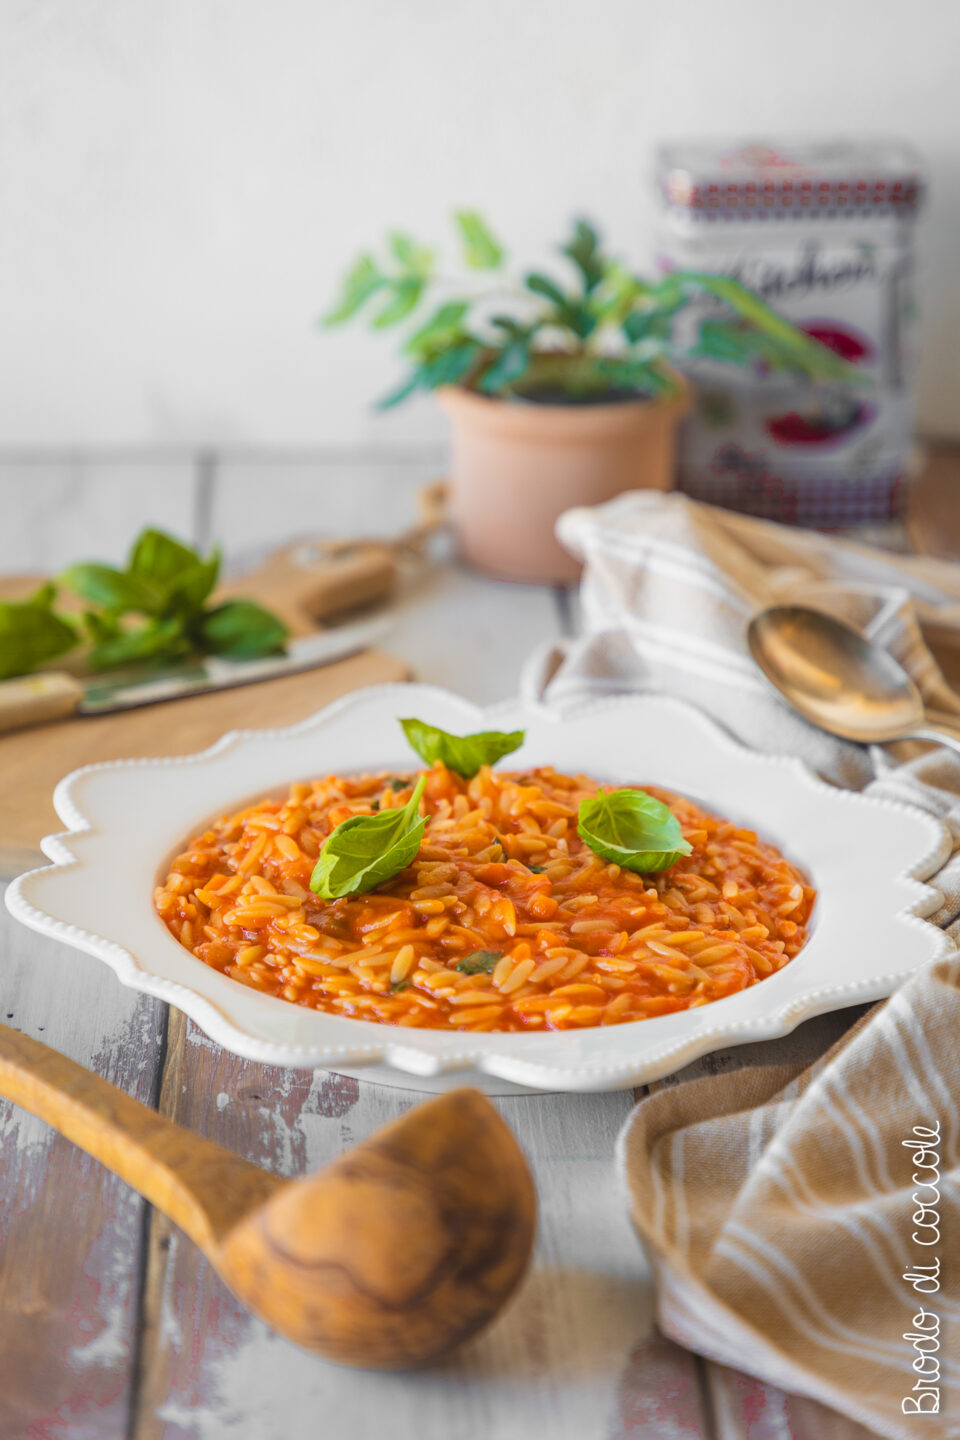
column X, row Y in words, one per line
column 396, row 782
column 633, row 830
column 480, row 962
column 156, row 640
column 367, row 849
column 159, row 557
column 463, row 754
column 192, row 586
column 182, row 577
column 30, row 633
column 480, row 250
column 241, row 630
column 114, row 589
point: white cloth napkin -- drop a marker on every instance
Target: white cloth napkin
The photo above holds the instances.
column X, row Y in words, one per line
column 775, row 1200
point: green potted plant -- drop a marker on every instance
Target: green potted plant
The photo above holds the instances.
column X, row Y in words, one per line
column 561, row 389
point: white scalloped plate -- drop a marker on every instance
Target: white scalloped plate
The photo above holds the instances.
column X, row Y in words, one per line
column 866, row 858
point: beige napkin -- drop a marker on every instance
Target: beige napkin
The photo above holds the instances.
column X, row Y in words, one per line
column 779, row 1202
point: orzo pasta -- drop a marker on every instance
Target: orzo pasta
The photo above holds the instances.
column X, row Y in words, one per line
column 504, row 921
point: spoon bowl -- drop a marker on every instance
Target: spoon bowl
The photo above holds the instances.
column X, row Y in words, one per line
column 389, row 1258
column 838, row 679
column 834, row 676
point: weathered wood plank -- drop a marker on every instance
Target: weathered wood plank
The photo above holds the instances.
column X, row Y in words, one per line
column 70, row 1233
column 571, row 1357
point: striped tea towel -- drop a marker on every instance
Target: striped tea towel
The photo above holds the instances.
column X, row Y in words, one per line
column 803, row 1220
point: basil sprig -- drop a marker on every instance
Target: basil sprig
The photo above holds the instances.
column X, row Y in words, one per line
column 463, row 754
column 633, row 830
column 30, row 633
column 367, row 849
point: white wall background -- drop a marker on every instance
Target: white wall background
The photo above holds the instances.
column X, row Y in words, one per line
column 182, row 181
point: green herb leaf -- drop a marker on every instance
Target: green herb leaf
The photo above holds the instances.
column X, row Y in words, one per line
column 193, row 586
column 512, row 363
column 444, row 326
column 584, row 250
column 114, row 589
column 463, row 754
column 537, row 869
column 549, row 289
column 480, row 962
column 180, row 574
column 241, row 630
column 481, row 250
column 397, row 783
column 632, row 829
column 367, row 849
column 30, row 633
column 360, row 283
column 157, row 640
column 444, row 369
column 159, row 557
column 405, row 297
column 411, row 255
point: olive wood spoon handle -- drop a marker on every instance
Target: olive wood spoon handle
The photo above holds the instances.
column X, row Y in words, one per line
column 393, row 1255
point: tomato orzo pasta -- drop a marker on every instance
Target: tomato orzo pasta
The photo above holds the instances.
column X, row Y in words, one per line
column 504, row 921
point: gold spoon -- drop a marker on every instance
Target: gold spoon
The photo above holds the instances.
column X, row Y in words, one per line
column 839, row 680
column 389, row 1258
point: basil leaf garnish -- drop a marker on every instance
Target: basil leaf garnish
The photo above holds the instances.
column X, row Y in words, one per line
column 463, row 754
column 365, row 850
column 632, row 829
column 480, row 962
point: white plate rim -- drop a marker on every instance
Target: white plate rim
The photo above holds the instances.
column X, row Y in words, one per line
column 492, row 1059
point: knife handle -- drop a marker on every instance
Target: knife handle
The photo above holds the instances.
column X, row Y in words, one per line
column 35, row 699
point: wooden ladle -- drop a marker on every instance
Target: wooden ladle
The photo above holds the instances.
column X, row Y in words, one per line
column 397, row 1252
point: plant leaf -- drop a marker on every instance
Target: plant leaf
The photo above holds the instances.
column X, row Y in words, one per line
column 405, row 297
column 481, row 251
column 583, row 248
column 160, row 557
column 362, row 281
column 30, row 633
column 365, row 850
column 155, row 640
column 512, row 362
column 541, row 284
column 632, row 829
column 410, row 254
column 479, row 962
column 447, row 368
column 444, row 326
column 114, row 589
column 464, row 754
column 192, row 587
column 241, row 630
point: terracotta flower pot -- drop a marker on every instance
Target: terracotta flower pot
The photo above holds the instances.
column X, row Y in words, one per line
column 517, row 466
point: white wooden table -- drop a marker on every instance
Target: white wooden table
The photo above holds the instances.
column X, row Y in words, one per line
column 112, row 1325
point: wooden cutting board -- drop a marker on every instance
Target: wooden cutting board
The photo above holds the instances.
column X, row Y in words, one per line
column 33, row 761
